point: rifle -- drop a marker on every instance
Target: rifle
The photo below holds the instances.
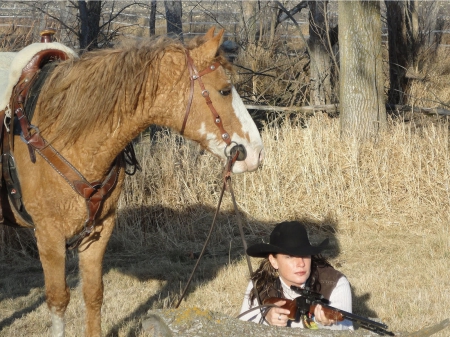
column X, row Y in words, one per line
column 307, row 302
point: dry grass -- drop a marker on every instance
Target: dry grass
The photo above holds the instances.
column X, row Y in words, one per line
column 384, row 204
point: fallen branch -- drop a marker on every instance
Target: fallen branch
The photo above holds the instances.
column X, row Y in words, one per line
column 335, row 108
column 307, row 108
column 429, row 111
column 425, row 332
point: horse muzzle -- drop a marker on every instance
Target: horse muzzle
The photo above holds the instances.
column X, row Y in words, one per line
column 238, row 149
column 246, row 160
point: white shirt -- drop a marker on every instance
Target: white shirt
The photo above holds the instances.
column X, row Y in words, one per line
column 340, row 298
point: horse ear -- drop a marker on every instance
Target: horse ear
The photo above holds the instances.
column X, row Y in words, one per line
column 210, row 33
column 208, row 50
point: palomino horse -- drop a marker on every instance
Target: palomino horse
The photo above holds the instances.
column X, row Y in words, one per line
column 89, row 109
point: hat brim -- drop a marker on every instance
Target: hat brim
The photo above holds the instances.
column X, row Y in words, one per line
column 264, row 249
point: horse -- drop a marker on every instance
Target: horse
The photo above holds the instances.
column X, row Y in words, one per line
column 88, row 110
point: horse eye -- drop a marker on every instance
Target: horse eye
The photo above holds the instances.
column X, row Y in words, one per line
column 225, row 92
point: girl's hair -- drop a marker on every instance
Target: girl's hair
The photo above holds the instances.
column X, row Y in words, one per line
column 265, row 277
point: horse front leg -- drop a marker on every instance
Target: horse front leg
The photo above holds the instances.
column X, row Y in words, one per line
column 91, row 258
column 52, row 253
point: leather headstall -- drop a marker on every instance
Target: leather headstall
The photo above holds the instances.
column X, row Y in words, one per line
column 195, row 75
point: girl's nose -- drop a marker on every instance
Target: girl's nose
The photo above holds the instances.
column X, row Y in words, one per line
column 300, row 262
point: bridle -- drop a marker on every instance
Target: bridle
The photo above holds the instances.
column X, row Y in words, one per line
column 195, row 75
column 237, row 152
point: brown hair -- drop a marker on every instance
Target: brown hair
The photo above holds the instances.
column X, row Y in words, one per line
column 266, row 278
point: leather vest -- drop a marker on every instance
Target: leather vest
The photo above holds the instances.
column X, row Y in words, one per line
column 327, row 277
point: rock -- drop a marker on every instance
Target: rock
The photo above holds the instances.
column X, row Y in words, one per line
column 155, row 326
column 190, row 322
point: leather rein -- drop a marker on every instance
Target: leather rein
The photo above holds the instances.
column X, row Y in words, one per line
column 237, row 152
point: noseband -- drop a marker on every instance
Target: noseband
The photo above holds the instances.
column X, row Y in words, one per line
column 193, row 76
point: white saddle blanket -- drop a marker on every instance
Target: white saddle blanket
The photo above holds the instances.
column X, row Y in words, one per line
column 12, row 63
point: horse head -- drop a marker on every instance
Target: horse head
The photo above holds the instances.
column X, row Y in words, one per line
column 216, row 116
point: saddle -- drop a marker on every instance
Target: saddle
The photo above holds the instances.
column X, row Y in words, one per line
column 15, row 118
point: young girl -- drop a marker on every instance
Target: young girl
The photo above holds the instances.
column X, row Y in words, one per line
column 290, row 259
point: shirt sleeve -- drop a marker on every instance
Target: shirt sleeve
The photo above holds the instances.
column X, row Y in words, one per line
column 341, row 298
column 252, row 316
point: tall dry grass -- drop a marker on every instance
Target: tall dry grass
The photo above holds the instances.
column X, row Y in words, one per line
column 383, row 204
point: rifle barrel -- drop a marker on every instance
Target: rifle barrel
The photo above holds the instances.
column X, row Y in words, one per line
column 355, row 318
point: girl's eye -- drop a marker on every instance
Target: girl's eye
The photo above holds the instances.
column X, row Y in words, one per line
column 225, row 92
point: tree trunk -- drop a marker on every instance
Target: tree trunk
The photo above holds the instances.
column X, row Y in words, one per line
column 320, row 62
column 89, row 24
column 363, row 111
column 413, row 28
column 248, row 23
column 65, row 11
column 174, row 14
column 152, row 21
column 398, row 55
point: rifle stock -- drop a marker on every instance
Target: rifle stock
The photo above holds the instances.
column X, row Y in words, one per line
column 302, row 305
column 291, row 305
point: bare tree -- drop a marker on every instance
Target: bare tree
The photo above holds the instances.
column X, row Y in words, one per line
column 93, row 25
column 320, row 60
column 413, row 41
column 362, row 106
column 248, row 21
column 89, row 23
column 174, row 12
column 152, row 21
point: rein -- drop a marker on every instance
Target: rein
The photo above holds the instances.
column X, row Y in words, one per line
column 237, row 152
column 226, row 182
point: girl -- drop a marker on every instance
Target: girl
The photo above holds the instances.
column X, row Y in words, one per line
column 290, row 259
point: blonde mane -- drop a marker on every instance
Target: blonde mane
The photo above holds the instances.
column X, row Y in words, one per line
column 80, row 95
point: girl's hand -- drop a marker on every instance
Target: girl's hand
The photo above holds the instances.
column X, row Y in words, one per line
column 319, row 316
column 278, row 316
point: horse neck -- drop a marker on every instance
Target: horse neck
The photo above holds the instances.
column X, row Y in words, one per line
column 166, row 108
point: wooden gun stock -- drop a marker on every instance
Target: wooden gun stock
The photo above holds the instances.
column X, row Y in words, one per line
column 331, row 313
column 292, row 307
column 289, row 305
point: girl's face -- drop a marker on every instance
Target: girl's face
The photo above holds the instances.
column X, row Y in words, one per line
column 293, row 270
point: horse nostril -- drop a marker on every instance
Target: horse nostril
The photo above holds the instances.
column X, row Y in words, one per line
column 242, row 152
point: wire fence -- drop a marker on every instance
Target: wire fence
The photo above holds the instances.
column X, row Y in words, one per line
column 17, row 18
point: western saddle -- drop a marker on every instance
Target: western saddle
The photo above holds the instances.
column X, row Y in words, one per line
column 17, row 118
column 15, row 121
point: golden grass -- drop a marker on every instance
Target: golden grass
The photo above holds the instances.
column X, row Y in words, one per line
column 383, row 204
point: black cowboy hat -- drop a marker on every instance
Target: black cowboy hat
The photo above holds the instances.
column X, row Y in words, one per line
column 290, row 238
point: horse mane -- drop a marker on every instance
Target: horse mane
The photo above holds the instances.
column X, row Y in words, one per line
column 81, row 94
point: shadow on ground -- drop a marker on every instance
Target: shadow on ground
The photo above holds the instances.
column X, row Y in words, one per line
column 158, row 230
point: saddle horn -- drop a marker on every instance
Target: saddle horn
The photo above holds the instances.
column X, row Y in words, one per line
column 47, row 35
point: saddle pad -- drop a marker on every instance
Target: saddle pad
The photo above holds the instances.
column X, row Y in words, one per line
column 11, row 65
